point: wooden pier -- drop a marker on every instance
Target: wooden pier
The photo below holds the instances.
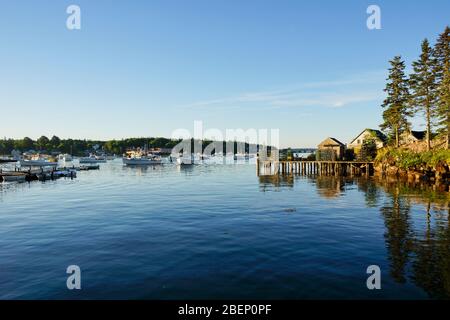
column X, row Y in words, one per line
column 300, row 167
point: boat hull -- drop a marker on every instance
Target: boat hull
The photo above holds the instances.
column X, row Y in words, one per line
column 37, row 163
column 140, row 162
column 13, row 178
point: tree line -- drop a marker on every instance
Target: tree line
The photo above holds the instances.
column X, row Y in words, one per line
column 424, row 92
column 80, row 147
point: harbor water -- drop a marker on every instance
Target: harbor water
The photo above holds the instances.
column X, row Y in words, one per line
column 215, row 231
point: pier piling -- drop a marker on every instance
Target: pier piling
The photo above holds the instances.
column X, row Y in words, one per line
column 303, row 167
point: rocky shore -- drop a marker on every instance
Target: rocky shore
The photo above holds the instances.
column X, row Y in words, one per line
column 434, row 168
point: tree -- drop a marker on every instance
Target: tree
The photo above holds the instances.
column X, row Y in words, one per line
column 396, row 103
column 424, row 87
column 42, row 142
column 24, row 144
column 55, row 142
column 368, row 150
column 27, row 143
column 442, row 72
column 289, row 154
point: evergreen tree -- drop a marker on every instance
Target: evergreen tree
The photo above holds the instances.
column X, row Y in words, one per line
column 396, row 103
column 442, row 56
column 424, row 87
column 368, row 150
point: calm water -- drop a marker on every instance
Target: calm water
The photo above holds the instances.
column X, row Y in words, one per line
column 219, row 231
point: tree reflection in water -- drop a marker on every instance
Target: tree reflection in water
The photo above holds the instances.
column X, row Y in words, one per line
column 426, row 248
column 418, row 246
column 416, row 253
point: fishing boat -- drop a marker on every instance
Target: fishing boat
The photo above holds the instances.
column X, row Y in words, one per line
column 93, row 159
column 65, row 157
column 38, row 161
column 133, row 158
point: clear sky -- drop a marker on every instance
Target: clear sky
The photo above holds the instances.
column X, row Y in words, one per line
column 146, row 68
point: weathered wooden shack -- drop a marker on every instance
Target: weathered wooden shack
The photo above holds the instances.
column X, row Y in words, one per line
column 330, row 149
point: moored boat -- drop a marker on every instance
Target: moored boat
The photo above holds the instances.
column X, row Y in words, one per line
column 133, row 158
column 185, row 160
column 38, row 161
column 13, row 177
column 92, row 159
column 89, row 167
column 65, row 157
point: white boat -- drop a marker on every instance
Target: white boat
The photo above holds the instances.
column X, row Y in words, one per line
column 38, row 161
column 87, row 160
column 140, row 159
column 65, row 157
column 100, row 159
column 185, row 160
column 92, row 159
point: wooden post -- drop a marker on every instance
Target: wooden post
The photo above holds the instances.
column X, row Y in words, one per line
column 257, row 166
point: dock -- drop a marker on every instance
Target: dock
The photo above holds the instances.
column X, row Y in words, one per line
column 304, row 167
column 43, row 174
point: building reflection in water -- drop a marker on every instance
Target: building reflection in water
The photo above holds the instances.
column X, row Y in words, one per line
column 417, row 252
column 274, row 182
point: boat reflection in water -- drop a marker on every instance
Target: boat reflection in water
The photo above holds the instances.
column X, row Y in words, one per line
column 417, row 243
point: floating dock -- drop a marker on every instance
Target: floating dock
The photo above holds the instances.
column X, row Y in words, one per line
column 43, row 174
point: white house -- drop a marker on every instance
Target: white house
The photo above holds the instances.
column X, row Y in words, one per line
column 412, row 136
column 367, row 134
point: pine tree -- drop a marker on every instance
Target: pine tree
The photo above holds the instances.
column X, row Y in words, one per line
column 442, row 56
column 396, row 103
column 424, row 87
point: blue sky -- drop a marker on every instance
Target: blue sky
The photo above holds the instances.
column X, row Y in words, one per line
column 146, row 68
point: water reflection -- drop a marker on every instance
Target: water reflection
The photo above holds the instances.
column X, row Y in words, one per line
column 417, row 224
column 418, row 244
column 329, row 187
column 275, row 182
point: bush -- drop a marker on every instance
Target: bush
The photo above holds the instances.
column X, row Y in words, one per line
column 407, row 159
